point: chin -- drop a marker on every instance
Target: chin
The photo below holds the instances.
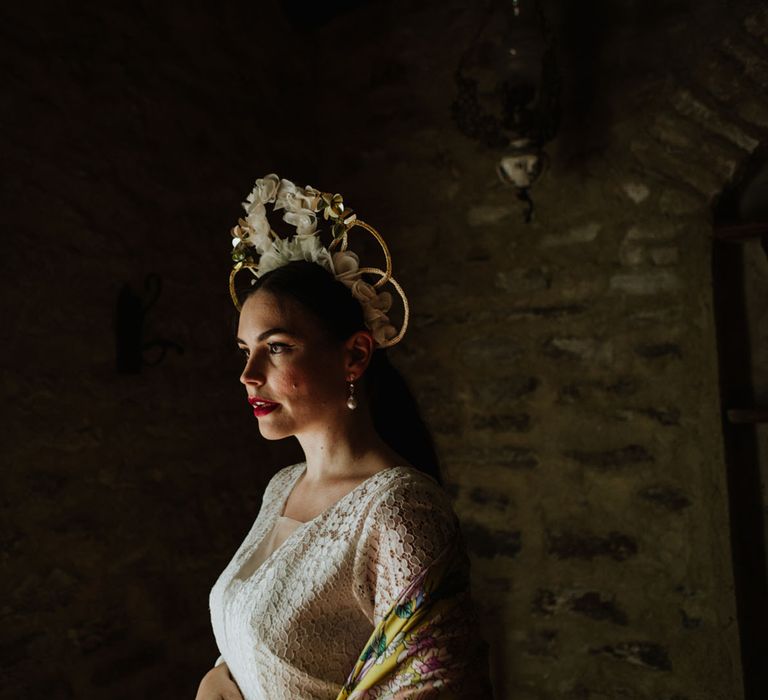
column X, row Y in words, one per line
column 272, row 435
column 276, row 438
column 269, row 432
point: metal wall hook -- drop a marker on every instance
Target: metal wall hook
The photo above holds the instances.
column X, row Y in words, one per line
column 130, row 314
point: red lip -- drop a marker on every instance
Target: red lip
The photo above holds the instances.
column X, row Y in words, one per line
column 259, row 399
column 262, row 410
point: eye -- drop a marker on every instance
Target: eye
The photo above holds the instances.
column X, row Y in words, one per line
column 277, row 348
column 244, row 352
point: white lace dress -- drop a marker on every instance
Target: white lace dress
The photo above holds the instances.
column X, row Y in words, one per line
column 294, row 608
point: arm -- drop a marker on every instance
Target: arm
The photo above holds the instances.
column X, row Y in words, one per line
column 425, row 641
column 218, row 684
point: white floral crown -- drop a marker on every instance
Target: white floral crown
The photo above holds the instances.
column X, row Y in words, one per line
column 258, row 248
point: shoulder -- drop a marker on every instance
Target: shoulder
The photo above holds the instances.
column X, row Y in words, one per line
column 282, row 480
column 405, row 487
column 409, row 522
column 412, row 506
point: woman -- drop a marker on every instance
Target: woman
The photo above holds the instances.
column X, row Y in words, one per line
column 353, row 581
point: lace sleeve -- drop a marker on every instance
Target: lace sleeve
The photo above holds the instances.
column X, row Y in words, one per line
column 408, row 526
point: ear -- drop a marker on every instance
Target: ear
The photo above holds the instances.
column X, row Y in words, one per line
column 359, row 349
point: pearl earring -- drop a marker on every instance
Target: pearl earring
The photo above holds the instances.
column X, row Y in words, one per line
column 351, row 400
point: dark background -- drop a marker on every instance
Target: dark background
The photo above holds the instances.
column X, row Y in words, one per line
column 577, row 418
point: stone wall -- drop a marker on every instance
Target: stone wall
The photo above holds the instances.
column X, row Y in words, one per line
column 568, row 366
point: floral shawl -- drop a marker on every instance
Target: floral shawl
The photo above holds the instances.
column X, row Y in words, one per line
column 426, row 646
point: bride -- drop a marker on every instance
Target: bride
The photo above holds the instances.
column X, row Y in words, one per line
column 353, row 581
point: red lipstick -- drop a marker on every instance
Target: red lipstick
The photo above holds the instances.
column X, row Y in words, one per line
column 261, row 406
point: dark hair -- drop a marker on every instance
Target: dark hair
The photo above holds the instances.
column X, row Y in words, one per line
column 394, row 411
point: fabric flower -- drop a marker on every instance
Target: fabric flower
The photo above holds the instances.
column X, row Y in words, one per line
column 346, row 265
column 312, row 249
column 375, row 305
column 257, row 228
column 264, row 191
column 293, row 198
column 304, row 220
column 283, row 251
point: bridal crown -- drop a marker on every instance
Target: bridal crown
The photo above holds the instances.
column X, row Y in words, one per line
column 256, row 247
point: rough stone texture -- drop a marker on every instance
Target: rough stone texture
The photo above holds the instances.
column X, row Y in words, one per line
column 567, row 367
column 755, row 265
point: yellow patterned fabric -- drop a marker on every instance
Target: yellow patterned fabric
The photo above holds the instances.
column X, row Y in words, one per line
column 424, row 646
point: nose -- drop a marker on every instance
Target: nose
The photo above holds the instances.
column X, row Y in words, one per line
column 252, row 374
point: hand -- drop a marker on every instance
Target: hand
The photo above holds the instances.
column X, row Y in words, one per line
column 217, row 684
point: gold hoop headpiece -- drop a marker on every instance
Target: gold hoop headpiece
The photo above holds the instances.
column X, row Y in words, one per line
column 258, row 248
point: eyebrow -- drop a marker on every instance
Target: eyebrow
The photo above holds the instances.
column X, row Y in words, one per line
column 271, row 331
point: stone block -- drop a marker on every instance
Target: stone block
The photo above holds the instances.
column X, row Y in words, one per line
column 659, row 230
column 543, row 312
column 580, row 391
column 688, row 105
column 673, row 132
column 646, row 283
column 611, row 460
column 632, row 254
column 484, row 351
column 721, row 80
column 584, row 349
column 663, row 416
column 592, row 604
column 636, row 191
column 496, row 457
column 667, row 255
column 650, row 655
column 683, row 140
column 666, row 497
column 486, row 543
column 504, row 315
column 653, row 351
column 685, row 168
column 579, row 234
column 501, row 390
column 755, row 67
column 502, row 422
column 675, row 202
column 521, row 280
column 572, row 544
column 753, row 112
column 485, row 215
column 662, row 315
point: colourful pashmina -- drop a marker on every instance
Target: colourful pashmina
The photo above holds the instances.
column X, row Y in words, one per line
column 426, row 646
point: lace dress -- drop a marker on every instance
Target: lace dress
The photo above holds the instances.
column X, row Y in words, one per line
column 297, row 603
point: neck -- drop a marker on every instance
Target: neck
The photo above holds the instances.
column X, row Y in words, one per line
column 346, row 447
